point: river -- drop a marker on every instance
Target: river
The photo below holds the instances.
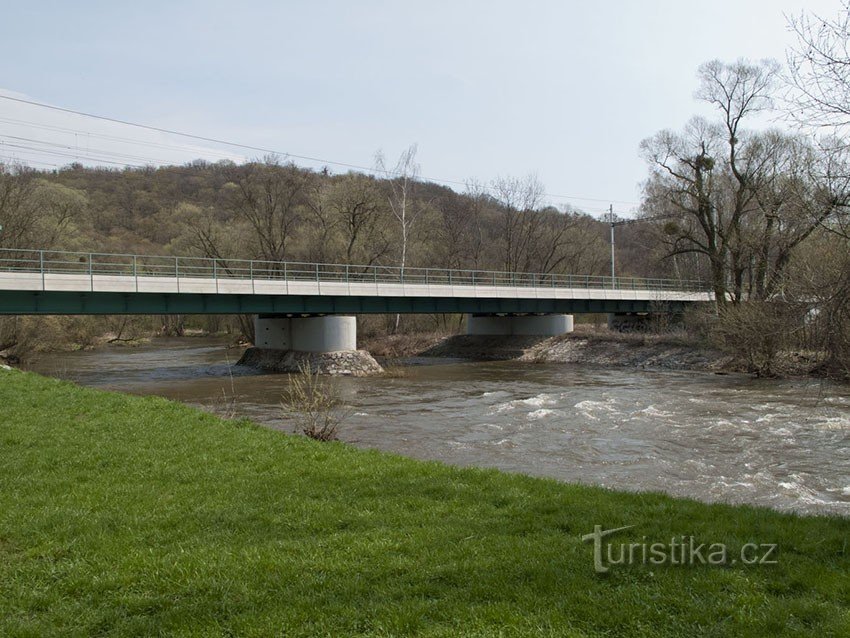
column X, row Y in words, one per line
column 782, row 444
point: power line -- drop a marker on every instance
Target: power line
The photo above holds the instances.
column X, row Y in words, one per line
column 184, row 148
column 76, row 156
column 13, row 160
column 71, row 153
column 97, row 155
column 276, row 152
column 77, row 151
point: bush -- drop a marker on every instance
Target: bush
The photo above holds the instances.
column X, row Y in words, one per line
column 759, row 331
column 313, row 401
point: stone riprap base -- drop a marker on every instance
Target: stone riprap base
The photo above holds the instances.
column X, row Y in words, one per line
column 354, row 363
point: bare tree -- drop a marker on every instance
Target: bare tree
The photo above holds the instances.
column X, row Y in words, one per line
column 406, row 210
column 519, row 199
column 457, row 237
column 566, row 243
column 18, row 210
column 355, row 204
column 819, row 67
column 707, row 176
column 800, row 188
column 402, row 180
column 269, row 197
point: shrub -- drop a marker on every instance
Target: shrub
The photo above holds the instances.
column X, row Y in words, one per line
column 313, row 402
column 759, row 331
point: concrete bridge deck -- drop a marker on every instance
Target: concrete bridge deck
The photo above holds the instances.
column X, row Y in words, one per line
column 43, row 282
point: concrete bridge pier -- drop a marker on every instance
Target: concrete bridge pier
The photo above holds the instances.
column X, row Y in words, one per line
column 538, row 325
column 327, row 344
column 305, row 334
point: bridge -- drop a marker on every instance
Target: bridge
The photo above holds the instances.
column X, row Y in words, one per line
column 307, row 305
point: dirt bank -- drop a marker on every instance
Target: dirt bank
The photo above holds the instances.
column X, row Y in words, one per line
column 401, row 345
column 600, row 347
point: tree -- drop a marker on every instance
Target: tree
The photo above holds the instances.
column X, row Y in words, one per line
column 354, row 202
column 457, row 238
column 269, row 197
column 18, row 211
column 402, row 180
column 61, row 213
column 519, row 226
column 801, row 187
column 706, row 177
column 819, row 66
column 38, row 213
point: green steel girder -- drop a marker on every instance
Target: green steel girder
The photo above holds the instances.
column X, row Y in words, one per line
column 13, row 302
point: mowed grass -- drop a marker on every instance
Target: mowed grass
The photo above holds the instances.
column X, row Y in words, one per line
column 122, row 515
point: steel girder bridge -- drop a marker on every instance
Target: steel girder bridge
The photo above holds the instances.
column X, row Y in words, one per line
column 38, row 282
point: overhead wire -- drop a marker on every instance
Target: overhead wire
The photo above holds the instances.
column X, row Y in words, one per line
column 80, row 157
column 184, row 148
column 270, row 151
column 77, row 151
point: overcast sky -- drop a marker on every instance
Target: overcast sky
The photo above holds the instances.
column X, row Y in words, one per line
column 563, row 89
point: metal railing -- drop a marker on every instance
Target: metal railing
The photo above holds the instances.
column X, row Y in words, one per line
column 93, row 265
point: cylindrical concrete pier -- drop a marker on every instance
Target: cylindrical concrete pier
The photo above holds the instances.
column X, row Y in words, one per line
column 540, row 325
column 306, row 334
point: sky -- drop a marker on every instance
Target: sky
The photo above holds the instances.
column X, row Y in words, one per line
column 564, row 90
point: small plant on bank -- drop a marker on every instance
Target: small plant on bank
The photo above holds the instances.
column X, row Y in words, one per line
column 393, row 370
column 227, row 406
column 313, row 402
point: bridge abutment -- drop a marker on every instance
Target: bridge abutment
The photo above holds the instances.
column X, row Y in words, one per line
column 306, row 334
column 502, row 325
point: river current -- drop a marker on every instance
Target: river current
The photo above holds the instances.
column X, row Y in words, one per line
column 783, row 444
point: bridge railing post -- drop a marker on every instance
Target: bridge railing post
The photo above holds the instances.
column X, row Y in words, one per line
column 136, row 272
column 215, row 273
column 177, row 272
column 41, row 268
column 91, row 273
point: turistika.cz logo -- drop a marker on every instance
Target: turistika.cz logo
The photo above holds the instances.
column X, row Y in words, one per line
column 682, row 550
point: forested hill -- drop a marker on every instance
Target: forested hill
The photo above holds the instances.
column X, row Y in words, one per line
column 274, row 211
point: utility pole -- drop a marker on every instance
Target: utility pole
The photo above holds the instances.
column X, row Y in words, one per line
column 611, row 218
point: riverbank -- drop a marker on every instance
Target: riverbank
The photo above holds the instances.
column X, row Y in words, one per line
column 600, row 346
column 126, row 515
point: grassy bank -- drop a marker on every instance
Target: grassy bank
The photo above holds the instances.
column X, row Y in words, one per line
column 122, row 515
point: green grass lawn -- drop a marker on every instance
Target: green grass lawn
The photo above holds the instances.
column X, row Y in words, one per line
column 122, row 515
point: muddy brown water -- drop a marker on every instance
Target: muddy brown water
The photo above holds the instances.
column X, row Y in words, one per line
column 782, row 444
